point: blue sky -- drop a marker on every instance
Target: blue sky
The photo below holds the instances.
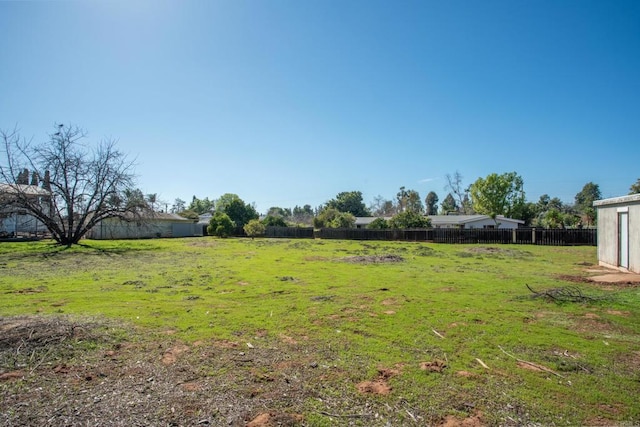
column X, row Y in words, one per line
column 288, row 102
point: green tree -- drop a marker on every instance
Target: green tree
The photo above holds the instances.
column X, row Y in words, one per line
column 448, row 205
column 178, row 206
column 584, row 201
column 431, row 203
column 220, row 225
column 152, row 199
column 201, row 206
column 333, row 218
column 302, row 215
column 240, row 212
column 409, row 219
column 413, row 202
column 349, row 201
column 498, row 194
column 378, row 224
column 635, row 188
column 254, row 228
column 553, row 218
column 401, row 197
column 274, row 221
column 276, row 211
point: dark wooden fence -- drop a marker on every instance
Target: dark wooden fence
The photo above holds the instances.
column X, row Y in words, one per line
column 524, row 236
column 290, row 232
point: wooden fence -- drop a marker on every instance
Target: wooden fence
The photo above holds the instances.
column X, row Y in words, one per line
column 524, row 236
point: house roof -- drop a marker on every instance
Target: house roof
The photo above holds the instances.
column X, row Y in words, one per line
column 467, row 219
column 632, row 198
column 159, row 216
column 29, row 190
column 446, row 219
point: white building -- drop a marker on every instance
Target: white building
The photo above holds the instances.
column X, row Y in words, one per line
column 619, row 232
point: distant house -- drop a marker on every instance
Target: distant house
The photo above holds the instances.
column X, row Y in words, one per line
column 457, row 221
column 15, row 219
column 619, row 232
column 145, row 226
column 474, row 221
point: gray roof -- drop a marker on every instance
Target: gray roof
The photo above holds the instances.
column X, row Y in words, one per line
column 618, row 200
column 29, row 190
column 444, row 219
column 466, row 219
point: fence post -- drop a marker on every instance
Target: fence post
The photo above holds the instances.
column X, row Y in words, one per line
column 533, row 236
column 514, row 237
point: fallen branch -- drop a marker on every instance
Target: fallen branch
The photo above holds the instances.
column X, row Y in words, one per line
column 535, row 365
column 565, row 293
column 437, row 333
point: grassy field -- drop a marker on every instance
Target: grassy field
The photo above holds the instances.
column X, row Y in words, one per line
column 313, row 332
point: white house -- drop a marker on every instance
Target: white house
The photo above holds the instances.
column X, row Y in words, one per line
column 14, row 219
column 458, row 221
column 619, row 232
column 156, row 224
column 474, row 221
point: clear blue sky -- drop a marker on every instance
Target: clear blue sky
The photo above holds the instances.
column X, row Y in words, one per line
column 288, row 102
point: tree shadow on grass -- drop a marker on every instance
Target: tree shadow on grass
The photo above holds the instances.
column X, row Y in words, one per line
column 52, row 250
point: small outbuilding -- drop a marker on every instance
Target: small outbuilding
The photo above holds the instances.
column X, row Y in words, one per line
column 149, row 225
column 619, row 232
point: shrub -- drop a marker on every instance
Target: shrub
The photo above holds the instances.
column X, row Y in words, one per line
column 254, row 228
column 378, row 224
column 220, row 225
column 409, row 219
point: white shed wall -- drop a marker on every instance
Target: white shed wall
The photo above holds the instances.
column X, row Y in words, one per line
column 608, row 239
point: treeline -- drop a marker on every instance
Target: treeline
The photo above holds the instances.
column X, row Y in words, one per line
column 494, row 195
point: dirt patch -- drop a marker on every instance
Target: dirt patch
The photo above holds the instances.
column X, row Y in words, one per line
column 373, row 259
column 171, row 356
column 13, row 375
column 472, row 421
column 374, row 387
column 272, row 419
column 379, row 385
column 433, row 366
column 628, row 279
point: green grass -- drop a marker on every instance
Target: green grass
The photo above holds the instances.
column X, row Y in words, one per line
column 367, row 315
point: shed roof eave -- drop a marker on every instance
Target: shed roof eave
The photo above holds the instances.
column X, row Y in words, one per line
column 632, row 198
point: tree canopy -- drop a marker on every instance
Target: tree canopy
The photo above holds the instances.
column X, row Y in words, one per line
column 409, row 219
column 349, row 202
column 584, row 201
column 635, row 187
column 239, row 211
column 431, row 203
column 333, row 218
column 449, row 205
column 498, row 194
column 220, row 225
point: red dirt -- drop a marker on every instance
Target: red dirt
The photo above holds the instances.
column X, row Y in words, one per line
column 273, row 419
column 473, row 421
column 434, row 366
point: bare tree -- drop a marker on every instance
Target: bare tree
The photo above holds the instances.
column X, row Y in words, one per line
column 81, row 185
column 461, row 194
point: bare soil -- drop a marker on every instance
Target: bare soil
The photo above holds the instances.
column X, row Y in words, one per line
column 59, row 371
